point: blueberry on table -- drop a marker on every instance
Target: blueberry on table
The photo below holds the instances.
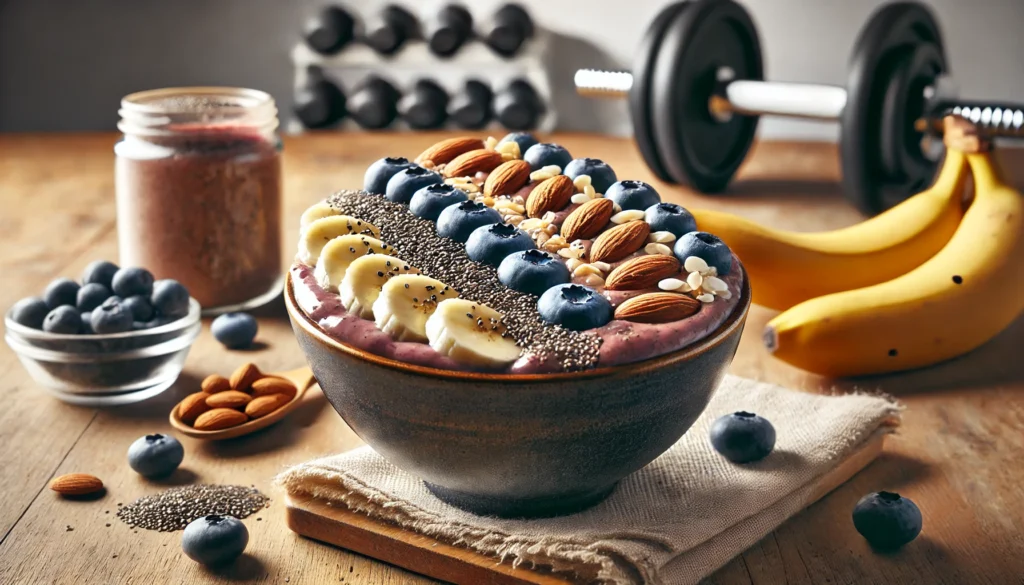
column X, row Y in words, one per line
column 378, row 174
column 111, row 317
column 62, row 291
column 132, row 281
column 405, row 182
column 155, row 455
column 545, row 153
column 602, row 177
column 139, row 307
column 887, row 520
column 30, row 312
column 491, row 243
column 214, row 540
column 707, row 247
column 574, row 307
column 235, row 330
column 99, row 272
column 525, row 140
column 669, row 217
column 633, row 195
column 532, row 271
column 170, row 298
column 91, row 295
column 743, row 437
column 458, row 221
column 64, row 319
column 431, row 200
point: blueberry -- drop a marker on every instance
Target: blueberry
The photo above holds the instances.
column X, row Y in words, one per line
column 235, row 330
column 887, row 520
column 170, row 298
column 214, row 539
column 707, row 247
column 140, row 307
column 155, row 455
column 532, row 271
column 408, row 181
column 62, row 291
column 87, row 323
column 431, row 200
column 669, row 217
column 111, row 317
column 91, row 295
column 575, row 307
column 742, row 437
column 524, row 139
column 633, row 195
column 132, row 281
column 458, row 221
column 491, row 243
column 544, row 154
column 99, row 272
column 63, row 319
column 601, row 175
column 30, row 312
column 378, row 174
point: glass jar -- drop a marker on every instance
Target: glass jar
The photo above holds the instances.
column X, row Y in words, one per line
column 198, row 182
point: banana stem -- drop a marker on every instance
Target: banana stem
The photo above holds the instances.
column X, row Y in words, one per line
column 988, row 173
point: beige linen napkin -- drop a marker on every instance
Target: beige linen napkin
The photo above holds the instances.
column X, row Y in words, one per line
column 673, row 522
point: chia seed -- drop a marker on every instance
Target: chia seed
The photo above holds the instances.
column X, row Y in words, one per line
column 173, row 509
column 417, row 242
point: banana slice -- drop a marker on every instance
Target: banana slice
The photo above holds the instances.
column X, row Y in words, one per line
column 325, row 229
column 406, row 302
column 471, row 333
column 340, row 252
column 364, row 278
column 315, row 212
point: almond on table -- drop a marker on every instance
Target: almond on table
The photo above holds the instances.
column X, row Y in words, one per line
column 76, row 484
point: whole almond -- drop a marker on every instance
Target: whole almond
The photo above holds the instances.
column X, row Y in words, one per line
column 443, row 152
column 215, row 383
column 263, row 405
column 508, row 178
column 659, row 307
column 76, row 484
column 620, row 241
column 273, row 385
column 550, row 195
column 470, row 163
column 228, row 399
column 587, row 220
column 220, row 418
column 192, row 406
column 244, row 376
column 642, row 272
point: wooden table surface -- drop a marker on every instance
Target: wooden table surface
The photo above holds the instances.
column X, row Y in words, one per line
column 958, row 453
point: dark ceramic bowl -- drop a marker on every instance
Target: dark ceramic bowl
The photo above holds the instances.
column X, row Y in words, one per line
column 519, row 445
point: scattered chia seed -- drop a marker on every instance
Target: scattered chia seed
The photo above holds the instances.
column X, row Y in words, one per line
column 417, row 242
column 175, row 508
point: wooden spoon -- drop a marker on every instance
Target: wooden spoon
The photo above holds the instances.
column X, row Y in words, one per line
column 303, row 380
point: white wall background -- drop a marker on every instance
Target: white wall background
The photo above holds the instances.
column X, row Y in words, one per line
column 64, row 64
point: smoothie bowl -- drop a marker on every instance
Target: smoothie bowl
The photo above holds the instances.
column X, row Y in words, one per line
column 521, row 330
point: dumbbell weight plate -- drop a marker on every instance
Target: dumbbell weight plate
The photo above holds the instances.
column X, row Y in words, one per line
column 892, row 29
column 704, row 37
column 640, row 93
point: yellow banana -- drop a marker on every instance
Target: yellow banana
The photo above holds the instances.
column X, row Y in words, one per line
column 786, row 268
column 956, row 301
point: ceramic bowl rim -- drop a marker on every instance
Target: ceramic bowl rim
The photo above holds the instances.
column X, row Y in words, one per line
column 734, row 321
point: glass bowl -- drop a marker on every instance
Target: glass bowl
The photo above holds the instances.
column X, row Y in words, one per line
column 105, row 370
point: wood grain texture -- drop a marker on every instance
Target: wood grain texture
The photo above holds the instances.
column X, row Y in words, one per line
column 957, row 453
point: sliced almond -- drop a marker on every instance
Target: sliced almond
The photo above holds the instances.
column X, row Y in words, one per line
column 273, row 385
column 76, row 484
column 445, row 151
column 550, row 195
column 508, row 178
column 244, row 376
column 587, row 220
column 228, row 399
column 263, row 405
column 220, row 418
column 620, row 241
column 192, row 406
column 470, row 163
column 642, row 272
column 657, row 307
column 215, row 383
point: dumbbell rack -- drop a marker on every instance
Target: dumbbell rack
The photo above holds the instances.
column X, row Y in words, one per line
column 414, row 62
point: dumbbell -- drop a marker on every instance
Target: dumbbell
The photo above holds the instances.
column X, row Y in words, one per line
column 471, row 107
column 320, row 103
column 425, row 106
column 386, row 31
column 448, row 29
column 697, row 89
column 374, row 103
column 518, row 106
column 508, row 29
column 329, row 30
